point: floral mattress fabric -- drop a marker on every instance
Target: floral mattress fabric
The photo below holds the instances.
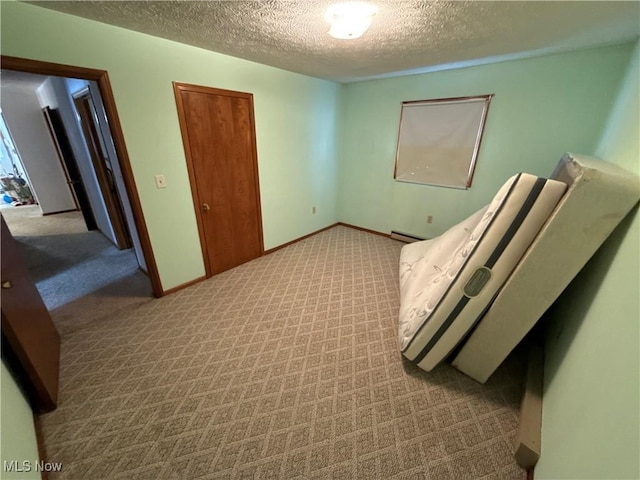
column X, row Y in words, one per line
column 447, row 282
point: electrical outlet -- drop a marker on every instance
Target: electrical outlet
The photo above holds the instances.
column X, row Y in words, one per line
column 160, row 181
column 313, row 210
column 429, row 219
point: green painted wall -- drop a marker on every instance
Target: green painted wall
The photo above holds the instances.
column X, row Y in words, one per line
column 297, row 120
column 591, row 419
column 542, row 108
column 17, row 434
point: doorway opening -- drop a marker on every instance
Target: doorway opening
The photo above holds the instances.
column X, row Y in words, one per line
column 85, row 206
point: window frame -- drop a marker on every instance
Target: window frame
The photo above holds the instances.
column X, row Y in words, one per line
column 485, row 99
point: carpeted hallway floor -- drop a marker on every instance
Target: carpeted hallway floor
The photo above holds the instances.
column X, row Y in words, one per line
column 81, row 275
column 285, row 367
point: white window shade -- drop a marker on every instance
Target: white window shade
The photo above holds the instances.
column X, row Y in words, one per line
column 439, row 140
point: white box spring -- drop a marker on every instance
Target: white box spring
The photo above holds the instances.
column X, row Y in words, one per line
column 447, row 283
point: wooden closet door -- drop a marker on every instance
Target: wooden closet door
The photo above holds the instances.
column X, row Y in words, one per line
column 218, row 132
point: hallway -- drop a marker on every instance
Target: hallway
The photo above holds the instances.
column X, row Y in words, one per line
column 80, row 275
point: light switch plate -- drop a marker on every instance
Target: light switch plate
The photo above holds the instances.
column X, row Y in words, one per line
column 160, row 181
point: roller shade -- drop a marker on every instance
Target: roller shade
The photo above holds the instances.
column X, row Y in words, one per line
column 439, row 140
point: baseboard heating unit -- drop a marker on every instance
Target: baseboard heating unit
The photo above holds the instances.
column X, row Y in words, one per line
column 405, row 237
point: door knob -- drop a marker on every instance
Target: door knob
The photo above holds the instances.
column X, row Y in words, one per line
column 7, row 284
column 206, row 207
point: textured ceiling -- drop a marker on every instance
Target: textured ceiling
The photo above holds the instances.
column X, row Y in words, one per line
column 405, row 35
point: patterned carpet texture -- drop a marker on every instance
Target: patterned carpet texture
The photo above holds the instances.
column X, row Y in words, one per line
column 286, row 367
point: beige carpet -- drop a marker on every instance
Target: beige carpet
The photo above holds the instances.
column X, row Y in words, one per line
column 27, row 220
column 285, row 367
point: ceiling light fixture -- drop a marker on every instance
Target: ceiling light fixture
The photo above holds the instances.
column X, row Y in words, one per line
column 350, row 20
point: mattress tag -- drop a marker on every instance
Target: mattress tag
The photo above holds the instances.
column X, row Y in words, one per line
column 477, row 282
